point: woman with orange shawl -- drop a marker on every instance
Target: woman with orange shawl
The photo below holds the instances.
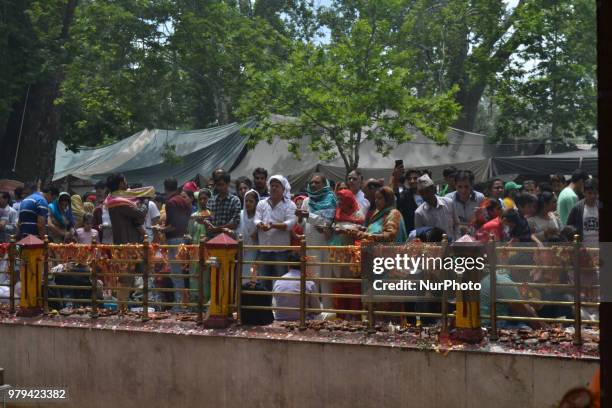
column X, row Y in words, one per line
column 347, row 220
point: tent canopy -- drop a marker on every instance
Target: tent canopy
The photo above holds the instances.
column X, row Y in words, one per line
column 140, row 158
column 536, row 165
column 462, row 147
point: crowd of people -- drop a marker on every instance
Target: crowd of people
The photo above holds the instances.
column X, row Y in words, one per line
column 265, row 211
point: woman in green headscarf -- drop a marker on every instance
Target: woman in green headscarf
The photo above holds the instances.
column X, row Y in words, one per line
column 386, row 224
column 317, row 213
column 197, row 230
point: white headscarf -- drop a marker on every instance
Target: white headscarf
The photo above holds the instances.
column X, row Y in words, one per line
column 253, row 191
column 247, row 227
column 286, row 186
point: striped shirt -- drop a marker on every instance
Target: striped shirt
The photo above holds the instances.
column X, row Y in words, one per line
column 30, row 209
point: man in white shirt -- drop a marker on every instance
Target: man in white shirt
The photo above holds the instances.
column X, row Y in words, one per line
column 435, row 211
column 584, row 216
column 274, row 218
column 293, row 286
column 8, row 217
column 354, row 181
column 465, row 200
column 151, row 219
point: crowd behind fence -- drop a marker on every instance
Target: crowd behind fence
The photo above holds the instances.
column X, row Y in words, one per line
column 96, row 263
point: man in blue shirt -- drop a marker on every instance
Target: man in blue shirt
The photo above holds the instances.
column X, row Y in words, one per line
column 33, row 212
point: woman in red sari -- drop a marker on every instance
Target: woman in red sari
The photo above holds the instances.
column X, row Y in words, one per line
column 297, row 233
column 347, row 220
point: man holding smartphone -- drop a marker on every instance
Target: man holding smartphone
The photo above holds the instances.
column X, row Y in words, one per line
column 397, row 177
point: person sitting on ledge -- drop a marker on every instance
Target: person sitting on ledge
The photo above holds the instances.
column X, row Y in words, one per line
column 510, row 275
column 293, row 286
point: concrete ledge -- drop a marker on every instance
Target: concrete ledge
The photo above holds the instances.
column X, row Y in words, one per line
column 103, row 368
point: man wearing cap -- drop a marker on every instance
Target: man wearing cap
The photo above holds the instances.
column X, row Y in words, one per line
column 511, row 189
column 190, row 186
column 435, row 211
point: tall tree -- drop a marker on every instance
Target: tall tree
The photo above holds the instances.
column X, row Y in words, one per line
column 43, row 28
column 344, row 92
column 213, row 42
column 462, row 43
column 118, row 80
column 550, row 88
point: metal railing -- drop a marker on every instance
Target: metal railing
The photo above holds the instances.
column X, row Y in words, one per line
column 370, row 313
column 101, row 254
column 367, row 299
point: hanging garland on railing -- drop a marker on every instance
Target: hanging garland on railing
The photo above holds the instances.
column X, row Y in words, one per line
column 188, row 253
column 561, row 256
column 557, row 255
column 79, row 253
column 351, row 254
column 417, row 248
column 107, row 256
column 4, row 249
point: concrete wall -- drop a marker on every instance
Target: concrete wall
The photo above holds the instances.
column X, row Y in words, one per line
column 102, row 368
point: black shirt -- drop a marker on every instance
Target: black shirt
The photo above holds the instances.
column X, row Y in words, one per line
column 406, row 205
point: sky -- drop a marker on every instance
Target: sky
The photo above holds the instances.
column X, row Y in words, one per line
column 325, row 32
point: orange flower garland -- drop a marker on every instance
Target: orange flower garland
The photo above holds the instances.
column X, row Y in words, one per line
column 351, row 254
column 3, row 249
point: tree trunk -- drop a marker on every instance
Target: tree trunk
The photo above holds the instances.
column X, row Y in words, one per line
column 469, row 99
column 34, row 150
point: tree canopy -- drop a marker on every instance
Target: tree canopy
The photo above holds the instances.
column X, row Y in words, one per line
column 97, row 71
column 341, row 93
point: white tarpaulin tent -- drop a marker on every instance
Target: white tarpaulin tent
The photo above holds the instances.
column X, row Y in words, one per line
column 141, row 158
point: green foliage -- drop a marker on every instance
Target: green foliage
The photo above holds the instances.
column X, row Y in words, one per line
column 118, row 80
column 30, row 47
column 550, row 88
column 169, row 154
column 167, row 64
column 213, row 42
column 386, row 65
column 338, row 94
